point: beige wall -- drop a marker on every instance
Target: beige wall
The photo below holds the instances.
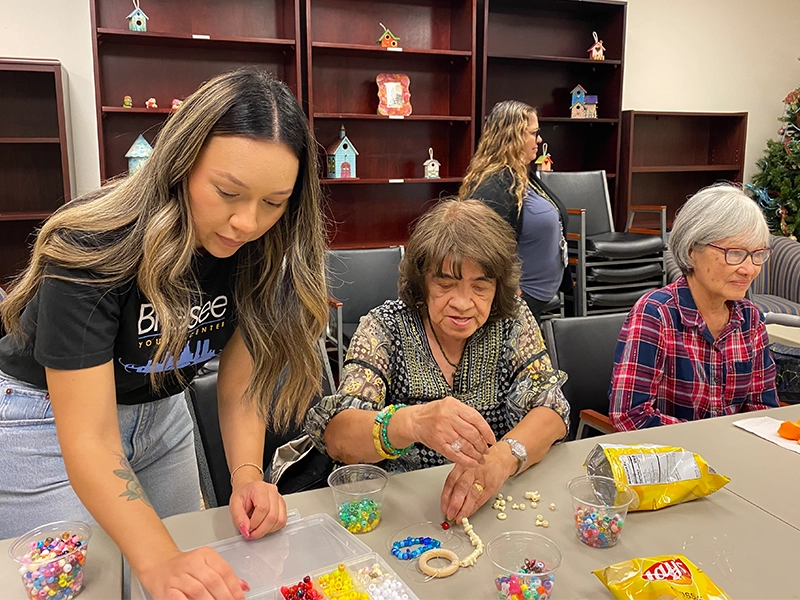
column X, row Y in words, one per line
column 714, row 56
column 683, row 55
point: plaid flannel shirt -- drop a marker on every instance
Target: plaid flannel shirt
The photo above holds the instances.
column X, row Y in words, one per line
column 668, row 368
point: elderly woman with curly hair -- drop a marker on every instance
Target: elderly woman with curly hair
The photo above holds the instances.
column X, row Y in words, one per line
column 453, row 366
column 698, row 348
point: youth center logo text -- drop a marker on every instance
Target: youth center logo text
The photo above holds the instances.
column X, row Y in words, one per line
column 203, row 319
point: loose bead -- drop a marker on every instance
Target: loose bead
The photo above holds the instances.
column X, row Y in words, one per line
column 502, row 516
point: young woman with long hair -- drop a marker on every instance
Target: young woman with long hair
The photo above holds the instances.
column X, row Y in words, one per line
column 499, row 175
column 214, row 246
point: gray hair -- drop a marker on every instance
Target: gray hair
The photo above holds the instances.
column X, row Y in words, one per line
column 718, row 212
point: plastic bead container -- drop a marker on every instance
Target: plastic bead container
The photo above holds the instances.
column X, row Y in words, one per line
column 525, row 565
column 358, row 492
column 51, row 559
column 310, row 546
column 600, row 506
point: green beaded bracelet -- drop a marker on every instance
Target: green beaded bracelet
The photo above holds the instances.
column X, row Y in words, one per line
column 383, row 418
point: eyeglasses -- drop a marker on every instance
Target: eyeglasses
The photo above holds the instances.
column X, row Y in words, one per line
column 736, row 256
column 535, row 132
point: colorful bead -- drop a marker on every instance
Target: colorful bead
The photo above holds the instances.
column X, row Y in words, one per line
column 53, row 568
column 598, row 527
column 359, row 516
column 445, row 525
column 513, row 586
column 339, row 585
column 304, row 590
column 424, row 543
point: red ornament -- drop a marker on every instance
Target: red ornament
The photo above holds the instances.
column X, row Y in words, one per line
column 445, row 525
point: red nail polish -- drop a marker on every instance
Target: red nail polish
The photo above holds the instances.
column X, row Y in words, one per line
column 245, row 585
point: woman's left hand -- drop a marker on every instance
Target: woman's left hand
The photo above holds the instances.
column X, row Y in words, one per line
column 467, row 489
column 257, row 509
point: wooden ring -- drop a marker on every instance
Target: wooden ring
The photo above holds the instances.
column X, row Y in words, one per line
column 439, row 553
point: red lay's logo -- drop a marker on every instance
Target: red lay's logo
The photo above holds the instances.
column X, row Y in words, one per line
column 674, row 570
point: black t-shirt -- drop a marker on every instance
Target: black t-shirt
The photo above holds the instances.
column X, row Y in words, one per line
column 77, row 325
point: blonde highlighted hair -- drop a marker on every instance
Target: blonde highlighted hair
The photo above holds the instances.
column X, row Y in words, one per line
column 139, row 228
column 502, row 146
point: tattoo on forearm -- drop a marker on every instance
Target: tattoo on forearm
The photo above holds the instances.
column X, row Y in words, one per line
column 134, row 489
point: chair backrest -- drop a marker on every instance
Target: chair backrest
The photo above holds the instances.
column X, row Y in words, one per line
column 583, row 189
column 203, row 395
column 363, row 279
column 780, row 275
column 583, row 347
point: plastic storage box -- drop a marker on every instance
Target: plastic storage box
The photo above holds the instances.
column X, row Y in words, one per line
column 313, row 545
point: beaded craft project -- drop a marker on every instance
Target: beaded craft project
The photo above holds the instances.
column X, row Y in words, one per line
column 424, row 543
column 455, row 563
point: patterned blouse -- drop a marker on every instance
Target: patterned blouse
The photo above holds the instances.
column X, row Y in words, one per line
column 504, row 373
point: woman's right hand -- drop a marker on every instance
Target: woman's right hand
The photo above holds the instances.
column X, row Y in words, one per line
column 199, row 574
column 456, row 431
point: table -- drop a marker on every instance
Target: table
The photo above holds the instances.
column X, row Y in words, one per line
column 761, row 472
column 755, row 538
column 103, row 575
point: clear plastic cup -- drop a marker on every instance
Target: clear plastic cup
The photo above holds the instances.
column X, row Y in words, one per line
column 524, row 562
column 57, row 574
column 358, row 492
column 600, row 506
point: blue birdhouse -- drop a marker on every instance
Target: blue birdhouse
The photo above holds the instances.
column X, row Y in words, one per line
column 579, row 94
column 137, row 20
column 342, row 158
column 139, row 152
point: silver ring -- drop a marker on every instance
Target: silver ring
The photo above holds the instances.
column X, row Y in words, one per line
column 456, row 446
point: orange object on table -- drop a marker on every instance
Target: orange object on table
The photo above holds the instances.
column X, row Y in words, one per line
column 789, row 430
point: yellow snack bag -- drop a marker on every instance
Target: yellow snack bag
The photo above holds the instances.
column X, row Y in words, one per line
column 660, row 475
column 659, row 578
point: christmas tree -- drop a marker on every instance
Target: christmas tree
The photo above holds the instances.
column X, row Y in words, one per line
column 777, row 186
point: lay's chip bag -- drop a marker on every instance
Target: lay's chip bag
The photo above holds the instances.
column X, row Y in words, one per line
column 659, row 578
column 659, row 475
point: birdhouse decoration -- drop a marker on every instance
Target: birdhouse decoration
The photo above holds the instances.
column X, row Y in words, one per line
column 137, row 20
column 342, row 158
column 545, row 161
column 578, row 106
column 139, row 152
column 388, row 39
column 597, row 49
column 431, row 166
column 591, row 107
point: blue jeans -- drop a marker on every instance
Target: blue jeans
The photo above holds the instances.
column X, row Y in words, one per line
column 157, row 440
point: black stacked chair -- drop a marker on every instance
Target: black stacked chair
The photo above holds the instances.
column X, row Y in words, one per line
column 583, row 347
column 612, row 268
column 358, row 281
column 214, row 473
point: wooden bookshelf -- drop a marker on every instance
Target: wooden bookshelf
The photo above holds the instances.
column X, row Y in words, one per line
column 668, row 156
column 186, row 43
column 34, row 161
column 536, row 52
column 437, row 38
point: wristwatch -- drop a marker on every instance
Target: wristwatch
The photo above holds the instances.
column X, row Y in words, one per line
column 519, row 451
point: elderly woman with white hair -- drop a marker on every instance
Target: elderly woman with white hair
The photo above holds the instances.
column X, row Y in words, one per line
column 698, row 348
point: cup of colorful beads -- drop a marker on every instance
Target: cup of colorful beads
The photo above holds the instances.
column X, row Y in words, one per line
column 51, row 559
column 525, row 565
column 358, row 492
column 600, row 505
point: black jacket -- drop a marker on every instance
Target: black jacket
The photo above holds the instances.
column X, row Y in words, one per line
column 495, row 192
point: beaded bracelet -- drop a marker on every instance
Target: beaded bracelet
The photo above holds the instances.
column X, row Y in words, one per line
column 376, row 439
column 382, row 429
